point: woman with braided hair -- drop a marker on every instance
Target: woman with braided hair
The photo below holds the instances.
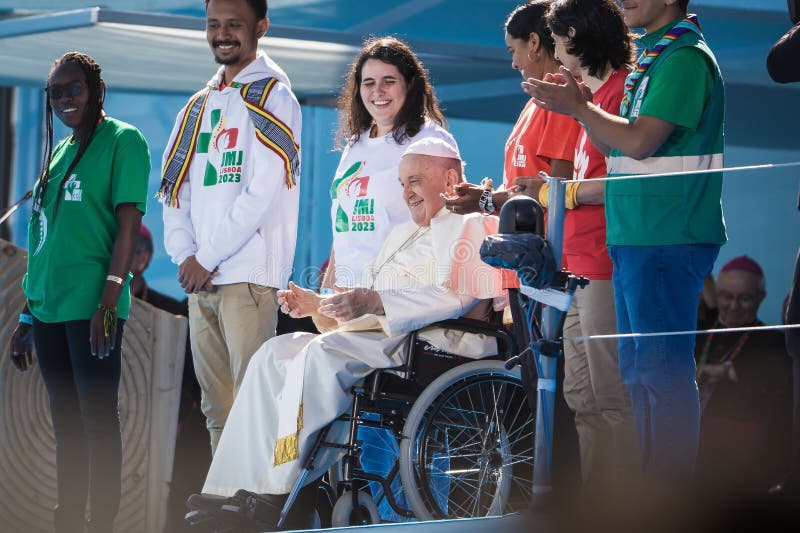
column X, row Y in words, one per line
column 87, row 209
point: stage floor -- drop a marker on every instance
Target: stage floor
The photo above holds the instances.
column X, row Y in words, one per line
column 515, row 522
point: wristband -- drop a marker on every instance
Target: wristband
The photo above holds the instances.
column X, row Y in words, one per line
column 485, row 203
column 109, row 318
column 570, row 195
column 25, row 318
column 116, row 279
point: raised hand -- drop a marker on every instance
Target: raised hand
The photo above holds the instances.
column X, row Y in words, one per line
column 564, row 97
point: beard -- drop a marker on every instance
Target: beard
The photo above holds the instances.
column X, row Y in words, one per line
column 227, row 60
column 231, row 60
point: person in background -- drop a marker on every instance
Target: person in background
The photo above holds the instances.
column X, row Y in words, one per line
column 231, row 197
column 191, row 459
column 87, row 207
column 745, row 389
column 139, row 287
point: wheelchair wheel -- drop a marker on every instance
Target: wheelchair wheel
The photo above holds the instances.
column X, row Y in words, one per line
column 344, row 514
column 468, row 444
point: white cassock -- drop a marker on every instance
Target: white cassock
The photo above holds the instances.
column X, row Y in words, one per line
column 296, row 384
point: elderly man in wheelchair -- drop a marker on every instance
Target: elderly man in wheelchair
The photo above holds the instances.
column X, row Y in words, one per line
column 465, row 437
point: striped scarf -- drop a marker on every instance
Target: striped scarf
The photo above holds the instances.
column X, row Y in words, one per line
column 269, row 130
column 688, row 24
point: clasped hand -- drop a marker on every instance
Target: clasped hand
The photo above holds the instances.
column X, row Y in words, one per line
column 712, row 374
column 346, row 305
column 193, row 277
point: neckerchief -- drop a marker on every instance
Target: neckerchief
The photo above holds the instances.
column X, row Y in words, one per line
column 688, row 24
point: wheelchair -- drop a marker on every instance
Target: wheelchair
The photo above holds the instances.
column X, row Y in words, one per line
column 463, row 428
column 462, row 431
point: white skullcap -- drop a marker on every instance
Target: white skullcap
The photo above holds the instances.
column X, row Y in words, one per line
column 433, row 146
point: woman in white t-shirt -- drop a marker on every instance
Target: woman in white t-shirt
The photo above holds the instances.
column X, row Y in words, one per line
column 386, row 103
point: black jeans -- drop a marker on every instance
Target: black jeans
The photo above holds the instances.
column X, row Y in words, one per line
column 83, row 403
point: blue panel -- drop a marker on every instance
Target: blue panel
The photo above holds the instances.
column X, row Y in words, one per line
column 319, row 165
column 49, row 22
column 482, row 146
column 28, row 121
column 762, row 220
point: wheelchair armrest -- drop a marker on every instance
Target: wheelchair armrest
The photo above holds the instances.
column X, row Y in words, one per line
column 506, row 341
column 469, row 325
column 506, row 346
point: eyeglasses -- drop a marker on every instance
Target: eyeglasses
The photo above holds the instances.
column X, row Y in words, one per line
column 744, row 299
column 56, row 92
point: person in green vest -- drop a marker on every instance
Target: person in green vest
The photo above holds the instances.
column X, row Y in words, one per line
column 87, row 208
column 663, row 233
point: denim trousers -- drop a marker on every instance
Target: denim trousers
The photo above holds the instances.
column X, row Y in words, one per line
column 82, row 390
column 657, row 289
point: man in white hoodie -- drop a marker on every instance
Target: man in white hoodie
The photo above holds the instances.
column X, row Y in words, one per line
column 230, row 196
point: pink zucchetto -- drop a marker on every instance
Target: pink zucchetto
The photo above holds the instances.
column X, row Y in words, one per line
column 744, row 264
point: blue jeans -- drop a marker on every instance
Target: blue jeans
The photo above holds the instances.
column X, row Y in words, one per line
column 657, row 289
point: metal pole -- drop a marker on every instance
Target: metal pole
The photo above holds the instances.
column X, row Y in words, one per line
column 547, row 366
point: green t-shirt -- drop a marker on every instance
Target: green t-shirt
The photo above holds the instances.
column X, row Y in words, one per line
column 679, row 92
column 70, row 251
column 684, row 87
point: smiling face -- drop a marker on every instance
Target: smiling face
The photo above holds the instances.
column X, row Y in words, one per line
column 232, row 31
column 69, row 95
column 424, row 178
column 383, row 90
column 650, row 14
column 521, row 53
column 739, row 295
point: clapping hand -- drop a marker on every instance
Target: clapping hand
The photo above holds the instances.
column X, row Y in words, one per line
column 559, row 92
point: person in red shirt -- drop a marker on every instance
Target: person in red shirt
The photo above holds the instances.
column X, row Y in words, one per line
column 591, row 39
column 540, row 140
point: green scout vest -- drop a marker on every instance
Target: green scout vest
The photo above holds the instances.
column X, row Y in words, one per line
column 673, row 209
